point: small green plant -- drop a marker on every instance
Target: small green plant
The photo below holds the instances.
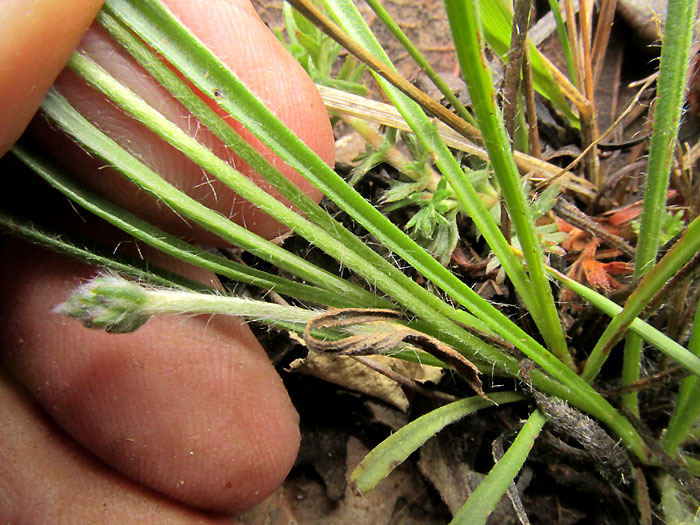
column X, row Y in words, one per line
column 437, row 184
column 317, row 53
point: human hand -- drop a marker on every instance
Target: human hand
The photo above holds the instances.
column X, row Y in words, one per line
column 186, row 412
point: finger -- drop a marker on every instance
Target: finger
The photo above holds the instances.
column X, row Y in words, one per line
column 234, row 32
column 37, row 40
column 190, row 407
column 47, row 478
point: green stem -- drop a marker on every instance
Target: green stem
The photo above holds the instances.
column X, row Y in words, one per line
column 466, row 30
column 687, row 409
column 324, row 239
column 563, row 39
column 687, row 247
column 671, row 86
column 65, row 116
column 647, row 332
column 154, row 24
column 415, row 53
column 351, row 21
column 133, row 267
column 572, row 388
column 157, row 27
column 484, row 499
column 308, row 207
column 169, row 244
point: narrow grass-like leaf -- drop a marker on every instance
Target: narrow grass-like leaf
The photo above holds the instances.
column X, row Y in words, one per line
column 415, row 53
column 262, row 166
column 66, row 117
column 169, row 244
column 687, row 409
column 151, row 21
column 351, row 21
column 682, row 251
column 320, row 237
column 60, row 243
column 578, row 394
column 156, row 26
column 224, row 172
column 647, row 332
column 464, row 20
column 395, row 449
column 671, row 87
column 563, row 39
column 678, row 507
column 667, row 110
column 484, row 499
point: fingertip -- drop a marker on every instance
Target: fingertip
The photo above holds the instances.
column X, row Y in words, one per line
column 37, row 41
column 189, row 407
column 233, row 31
column 48, row 478
column 236, row 34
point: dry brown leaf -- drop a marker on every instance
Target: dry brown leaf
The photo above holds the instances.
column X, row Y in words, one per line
column 346, row 372
column 384, row 336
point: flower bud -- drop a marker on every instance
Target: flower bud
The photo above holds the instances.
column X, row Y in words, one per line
column 107, row 302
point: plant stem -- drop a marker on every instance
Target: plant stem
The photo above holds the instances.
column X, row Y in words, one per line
column 415, row 53
column 171, row 245
column 571, row 387
column 650, row 334
column 65, row 116
column 484, row 499
column 465, row 23
column 671, row 87
column 687, row 409
column 564, row 39
column 92, row 255
column 158, row 28
column 518, row 43
column 457, row 123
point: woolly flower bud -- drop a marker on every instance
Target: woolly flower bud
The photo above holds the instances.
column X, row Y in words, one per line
column 108, row 302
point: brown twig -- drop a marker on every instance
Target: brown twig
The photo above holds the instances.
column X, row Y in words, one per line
column 529, row 91
column 577, row 218
column 602, row 36
column 518, row 40
column 589, row 122
column 498, row 451
column 402, row 379
column 573, row 41
column 612, row 127
column 675, row 374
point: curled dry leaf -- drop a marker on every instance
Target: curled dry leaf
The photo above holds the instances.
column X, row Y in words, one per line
column 386, row 335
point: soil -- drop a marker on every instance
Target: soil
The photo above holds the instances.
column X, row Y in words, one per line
column 563, row 482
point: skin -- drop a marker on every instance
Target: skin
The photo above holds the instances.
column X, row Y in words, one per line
column 186, row 417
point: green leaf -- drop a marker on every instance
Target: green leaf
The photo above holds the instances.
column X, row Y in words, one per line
column 401, row 190
column 394, row 450
column 484, row 499
column 465, row 23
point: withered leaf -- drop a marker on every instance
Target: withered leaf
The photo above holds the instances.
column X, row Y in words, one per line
column 388, row 336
